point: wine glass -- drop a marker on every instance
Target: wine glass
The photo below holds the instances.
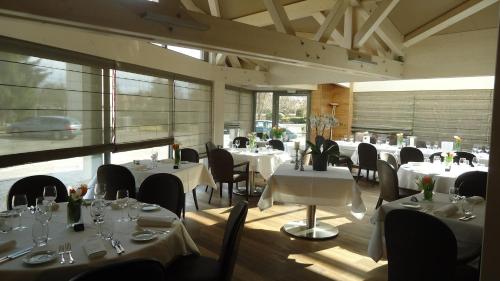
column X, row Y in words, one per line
column 475, row 162
column 43, row 211
column 237, row 143
column 99, row 191
column 133, row 209
column 461, row 161
column 97, row 208
column 454, row 194
column 19, row 205
column 50, row 193
column 436, row 159
column 121, row 201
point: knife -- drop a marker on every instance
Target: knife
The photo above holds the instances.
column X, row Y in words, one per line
column 114, row 244
column 15, row 255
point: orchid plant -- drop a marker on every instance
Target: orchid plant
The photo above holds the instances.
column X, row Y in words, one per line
column 322, row 123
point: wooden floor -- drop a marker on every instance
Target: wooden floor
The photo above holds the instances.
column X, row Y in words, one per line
column 266, row 253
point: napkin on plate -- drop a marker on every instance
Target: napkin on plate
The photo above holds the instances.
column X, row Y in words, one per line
column 153, row 221
column 475, row 200
column 447, row 210
column 94, row 248
column 7, row 245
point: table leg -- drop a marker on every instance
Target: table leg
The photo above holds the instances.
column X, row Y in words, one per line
column 253, row 191
column 310, row 228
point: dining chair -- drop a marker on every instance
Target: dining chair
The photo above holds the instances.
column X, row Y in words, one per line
column 200, row 268
column 431, row 157
column 389, row 184
column 277, row 144
column 340, row 160
column 165, row 190
column 389, row 157
column 393, row 139
column 190, row 155
column 33, row 186
column 421, row 144
column 367, row 158
column 410, row 154
column 463, row 154
column 116, row 177
column 413, row 256
column 243, row 141
column 209, row 146
column 472, row 183
column 147, row 269
column 224, row 171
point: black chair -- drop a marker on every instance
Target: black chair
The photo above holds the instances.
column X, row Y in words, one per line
column 388, row 157
column 277, row 144
column 408, row 244
column 116, row 177
column 147, row 269
column 389, row 184
column 165, row 190
column 209, row 146
column 431, row 158
column 190, row 155
column 367, row 157
column 199, row 268
column 341, row 160
column 410, row 154
column 224, row 171
column 472, row 183
column 421, row 144
column 243, row 141
column 393, row 139
column 463, row 154
column 33, row 186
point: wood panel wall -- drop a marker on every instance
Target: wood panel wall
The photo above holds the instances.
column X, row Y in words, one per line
column 320, row 104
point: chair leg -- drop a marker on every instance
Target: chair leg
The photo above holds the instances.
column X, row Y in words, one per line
column 211, row 193
column 184, row 209
column 220, row 191
column 195, row 199
column 230, row 191
column 206, row 188
column 359, row 173
column 379, row 202
column 247, row 188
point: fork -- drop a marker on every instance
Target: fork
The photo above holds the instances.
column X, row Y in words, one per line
column 61, row 252
column 68, row 251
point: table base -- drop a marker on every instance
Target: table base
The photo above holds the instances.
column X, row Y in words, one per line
column 254, row 192
column 310, row 228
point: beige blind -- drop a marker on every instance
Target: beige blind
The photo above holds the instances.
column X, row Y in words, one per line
column 238, row 108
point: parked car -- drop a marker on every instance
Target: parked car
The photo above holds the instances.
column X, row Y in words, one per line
column 264, row 126
column 56, row 127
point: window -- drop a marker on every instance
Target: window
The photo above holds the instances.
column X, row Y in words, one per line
column 197, row 54
column 238, row 108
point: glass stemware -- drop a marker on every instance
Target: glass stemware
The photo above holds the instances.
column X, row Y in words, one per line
column 43, row 211
column 133, row 209
column 97, row 208
column 99, row 191
column 20, row 205
column 121, row 201
column 475, row 162
column 237, row 143
column 50, row 193
column 436, row 159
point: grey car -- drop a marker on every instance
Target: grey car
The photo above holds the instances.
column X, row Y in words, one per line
column 55, row 127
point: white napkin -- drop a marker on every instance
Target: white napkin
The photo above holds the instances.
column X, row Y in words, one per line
column 151, row 221
column 94, row 248
column 475, row 200
column 7, row 245
column 446, row 210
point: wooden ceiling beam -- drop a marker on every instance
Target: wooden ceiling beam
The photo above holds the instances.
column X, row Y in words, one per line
column 191, row 6
column 233, row 60
column 279, row 16
column 336, row 36
column 348, row 28
column 220, row 59
column 331, row 21
column 373, row 22
column 214, row 6
column 449, row 18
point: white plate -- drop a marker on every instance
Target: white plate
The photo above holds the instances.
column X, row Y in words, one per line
column 144, row 235
column 150, row 207
column 411, row 205
column 40, row 257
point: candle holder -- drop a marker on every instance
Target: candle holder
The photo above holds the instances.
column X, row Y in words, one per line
column 302, row 162
column 296, row 159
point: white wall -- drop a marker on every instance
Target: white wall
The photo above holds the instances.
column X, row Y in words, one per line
column 460, row 83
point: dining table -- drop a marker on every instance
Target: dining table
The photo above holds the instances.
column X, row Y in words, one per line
column 261, row 160
column 409, row 172
column 334, row 187
column 165, row 245
column 466, row 231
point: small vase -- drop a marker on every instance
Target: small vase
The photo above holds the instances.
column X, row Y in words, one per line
column 177, row 158
column 428, row 194
column 320, row 162
column 74, row 212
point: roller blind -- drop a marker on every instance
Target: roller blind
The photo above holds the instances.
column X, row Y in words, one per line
column 238, row 108
column 192, row 114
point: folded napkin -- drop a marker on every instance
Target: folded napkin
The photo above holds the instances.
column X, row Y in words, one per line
column 446, row 210
column 151, row 221
column 7, row 245
column 94, row 248
column 475, row 200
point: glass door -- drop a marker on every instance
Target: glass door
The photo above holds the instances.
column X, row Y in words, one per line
column 292, row 111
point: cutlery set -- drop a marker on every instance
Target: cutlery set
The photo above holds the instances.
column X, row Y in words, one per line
column 65, row 249
column 15, row 255
column 117, row 245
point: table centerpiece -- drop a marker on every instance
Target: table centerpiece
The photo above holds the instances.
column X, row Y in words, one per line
column 426, row 184
column 177, row 155
column 457, row 144
column 277, row 133
column 74, row 209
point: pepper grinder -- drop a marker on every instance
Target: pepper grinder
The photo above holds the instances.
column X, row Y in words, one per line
column 297, row 159
column 302, row 162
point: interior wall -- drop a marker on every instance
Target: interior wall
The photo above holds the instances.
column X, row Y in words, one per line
column 320, row 105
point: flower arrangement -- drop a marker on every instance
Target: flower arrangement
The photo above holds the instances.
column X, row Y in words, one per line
column 448, row 156
column 426, row 184
column 252, row 137
column 177, row 155
column 399, row 138
column 74, row 208
column 320, row 123
column 77, row 193
column 277, row 132
column 457, row 144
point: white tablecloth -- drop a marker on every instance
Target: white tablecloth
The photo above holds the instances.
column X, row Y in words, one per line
column 164, row 248
column 408, row 173
column 468, row 231
column 334, row 187
column 265, row 161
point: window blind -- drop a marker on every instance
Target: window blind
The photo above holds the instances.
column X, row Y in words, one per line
column 238, row 107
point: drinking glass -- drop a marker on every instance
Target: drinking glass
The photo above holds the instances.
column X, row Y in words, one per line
column 467, row 207
column 133, row 210
column 121, row 200
column 461, row 161
column 247, row 144
column 99, row 191
column 454, row 194
column 237, row 143
column 387, row 141
column 428, row 145
column 6, row 221
column 437, row 159
column 50, row 193
column 40, row 233
column 107, row 229
column 475, row 162
column 97, row 208
column 19, row 205
column 43, row 211
column 487, row 149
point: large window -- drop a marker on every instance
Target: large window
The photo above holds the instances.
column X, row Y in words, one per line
column 238, row 116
